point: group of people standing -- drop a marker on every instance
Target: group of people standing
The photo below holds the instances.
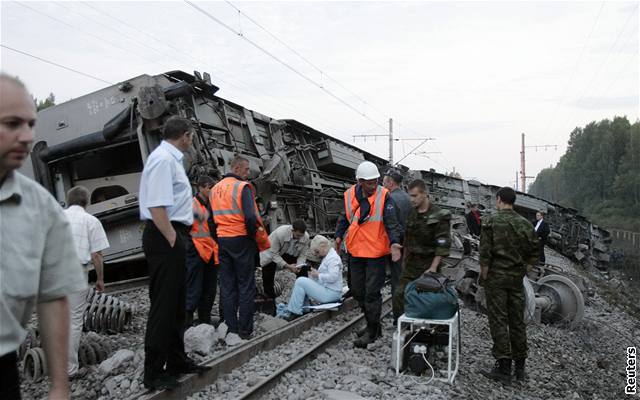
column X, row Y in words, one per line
column 185, row 237
column 190, row 243
column 384, row 224
column 377, row 224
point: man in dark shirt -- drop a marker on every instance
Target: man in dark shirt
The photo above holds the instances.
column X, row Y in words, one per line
column 473, row 220
column 402, row 201
column 542, row 231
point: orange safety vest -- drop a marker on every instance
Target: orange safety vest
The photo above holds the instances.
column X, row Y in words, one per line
column 226, row 204
column 201, row 236
column 369, row 239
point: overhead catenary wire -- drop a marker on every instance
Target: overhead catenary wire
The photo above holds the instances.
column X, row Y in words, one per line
column 56, row 64
column 119, row 46
column 573, row 73
column 603, row 64
column 155, row 61
column 230, row 78
column 116, row 45
column 323, row 74
column 117, row 32
column 633, row 57
column 284, row 64
column 615, row 79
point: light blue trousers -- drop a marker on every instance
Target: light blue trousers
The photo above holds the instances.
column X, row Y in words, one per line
column 305, row 289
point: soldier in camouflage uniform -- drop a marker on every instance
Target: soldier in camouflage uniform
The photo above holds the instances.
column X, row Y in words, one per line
column 507, row 245
column 427, row 241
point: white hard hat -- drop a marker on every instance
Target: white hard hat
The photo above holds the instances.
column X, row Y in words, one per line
column 367, row 170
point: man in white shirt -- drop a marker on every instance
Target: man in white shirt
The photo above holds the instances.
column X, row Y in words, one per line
column 166, row 207
column 289, row 247
column 90, row 239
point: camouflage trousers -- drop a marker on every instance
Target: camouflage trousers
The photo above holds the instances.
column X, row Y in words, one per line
column 505, row 308
column 413, row 269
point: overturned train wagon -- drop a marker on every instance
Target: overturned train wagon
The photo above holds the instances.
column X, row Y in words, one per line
column 101, row 141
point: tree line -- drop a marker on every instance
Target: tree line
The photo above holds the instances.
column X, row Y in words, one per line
column 599, row 174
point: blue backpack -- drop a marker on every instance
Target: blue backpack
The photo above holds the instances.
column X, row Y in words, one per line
column 432, row 296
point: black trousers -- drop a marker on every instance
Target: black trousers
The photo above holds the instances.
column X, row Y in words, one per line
column 269, row 274
column 541, row 243
column 367, row 280
column 164, row 337
column 9, row 379
column 238, row 261
column 202, row 282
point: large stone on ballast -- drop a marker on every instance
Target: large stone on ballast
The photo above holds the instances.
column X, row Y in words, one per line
column 116, row 360
column 270, row 323
column 199, row 339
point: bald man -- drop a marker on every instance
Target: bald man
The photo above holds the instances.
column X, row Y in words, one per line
column 39, row 264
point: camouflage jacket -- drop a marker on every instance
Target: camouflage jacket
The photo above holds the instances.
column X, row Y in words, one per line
column 427, row 234
column 507, row 243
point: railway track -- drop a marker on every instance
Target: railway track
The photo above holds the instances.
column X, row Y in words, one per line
column 264, row 386
column 238, row 356
column 127, row 285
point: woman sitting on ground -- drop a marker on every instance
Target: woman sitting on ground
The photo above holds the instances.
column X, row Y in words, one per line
column 323, row 285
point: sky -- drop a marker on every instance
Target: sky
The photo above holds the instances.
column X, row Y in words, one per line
column 473, row 76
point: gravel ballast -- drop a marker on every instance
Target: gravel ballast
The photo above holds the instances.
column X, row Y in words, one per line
column 586, row 362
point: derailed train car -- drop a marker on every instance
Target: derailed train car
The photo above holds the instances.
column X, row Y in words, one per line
column 101, row 141
column 571, row 233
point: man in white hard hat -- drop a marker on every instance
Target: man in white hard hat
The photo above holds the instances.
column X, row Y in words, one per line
column 370, row 231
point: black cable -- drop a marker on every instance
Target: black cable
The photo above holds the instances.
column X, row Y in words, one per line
column 56, row 64
column 305, row 59
column 292, row 69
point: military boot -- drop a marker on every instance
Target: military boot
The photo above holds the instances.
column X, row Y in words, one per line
column 373, row 332
column 501, row 371
column 361, row 332
column 519, row 370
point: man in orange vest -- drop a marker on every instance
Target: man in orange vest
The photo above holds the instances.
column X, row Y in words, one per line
column 370, row 231
column 237, row 222
column 202, row 258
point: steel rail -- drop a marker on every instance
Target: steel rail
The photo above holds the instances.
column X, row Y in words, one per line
column 234, row 358
column 263, row 387
column 126, row 285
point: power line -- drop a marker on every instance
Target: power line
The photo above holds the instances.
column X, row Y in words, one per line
column 587, row 87
column 117, row 46
column 412, row 150
column 56, row 64
column 310, row 63
column 241, row 87
column 617, row 76
column 289, row 67
column 615, row 79
column 119, row 33
column 573, row 72
column 322, row 73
